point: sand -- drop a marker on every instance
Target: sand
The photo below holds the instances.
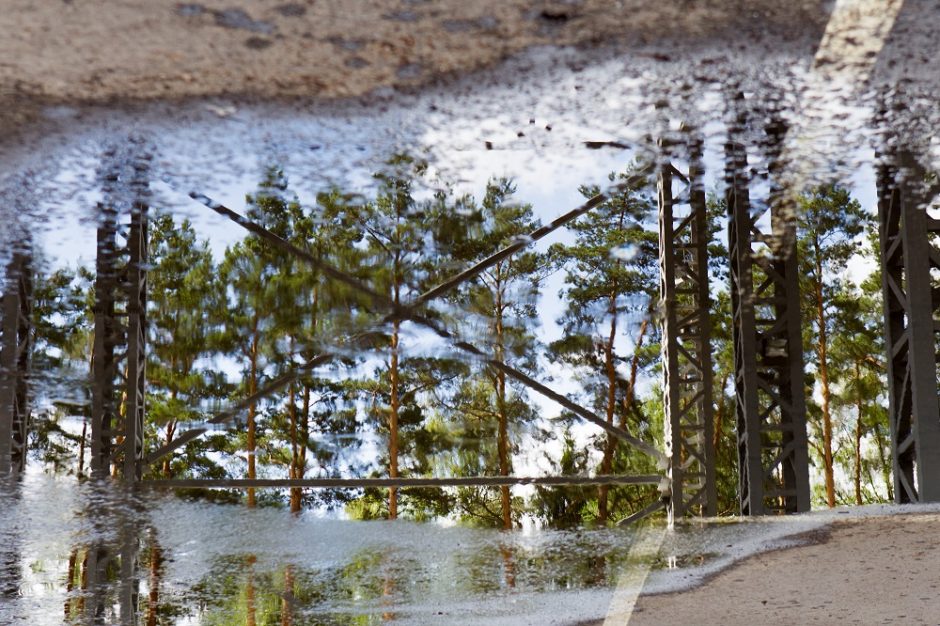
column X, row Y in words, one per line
column 874, row 570
column 100, row 51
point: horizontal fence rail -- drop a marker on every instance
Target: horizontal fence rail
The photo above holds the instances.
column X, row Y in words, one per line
column 358, row 483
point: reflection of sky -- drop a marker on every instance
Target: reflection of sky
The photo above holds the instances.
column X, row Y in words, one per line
column 535, row 127
column 551, row 186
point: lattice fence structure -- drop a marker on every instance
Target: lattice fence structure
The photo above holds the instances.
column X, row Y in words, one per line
column 769, row 387
column 910, row 261
column 686, row 307
column 15, row 348
column 773, row 461
column 119, row 353
column 414, row 311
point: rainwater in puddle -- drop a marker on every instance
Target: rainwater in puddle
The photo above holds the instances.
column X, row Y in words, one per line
column 81, row 554
column 561, row 124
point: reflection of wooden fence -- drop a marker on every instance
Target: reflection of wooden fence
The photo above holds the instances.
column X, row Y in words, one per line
column 413, row 312
column 455, row 481
column 771, row 422
column 117, row 411
column 909, row 257
column 14, row 362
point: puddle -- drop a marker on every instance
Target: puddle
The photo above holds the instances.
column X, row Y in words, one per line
column 430, row 168
column 199, row 561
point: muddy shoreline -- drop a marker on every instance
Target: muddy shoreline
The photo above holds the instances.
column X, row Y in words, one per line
column 828, row 579
column 92, row 53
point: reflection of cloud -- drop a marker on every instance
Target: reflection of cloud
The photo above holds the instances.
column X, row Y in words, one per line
column 829, row 107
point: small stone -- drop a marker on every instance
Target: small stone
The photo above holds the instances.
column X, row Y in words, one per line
column 402, row 16
column 225, row 110
column 190, row 9
column 258, row 43
column 292, row 9
column 408, row 71
column 236, row 18
column 356, row 63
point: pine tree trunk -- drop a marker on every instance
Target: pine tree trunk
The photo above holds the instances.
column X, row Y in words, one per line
column 299, row 455
column 122, row 413
column 302, row 453
column 885, row 463
column 153, row 600
column 170, row 431
column 509, row 565
column 252, row 408
column 81, row 447
column 83, row 578
column 287, row 609
column 388, row 593
column 250, row 609
column 393, row 424
column 859, row 407
column 611, row 373
column 502, row 436
column 630, row 396
column 293, row 470
column 822, row 353
column 301, row 431
column 69, row 585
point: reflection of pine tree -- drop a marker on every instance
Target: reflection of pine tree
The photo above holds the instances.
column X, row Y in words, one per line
column 250, row 270
column 402, row 260
column 857, row 366
column 611, row 273
column 724, row 434
column 565, row 507
column 281, row 313
column 182, row 293
column 311, row 309
column 829, row 221
column 498, row 310
column 61, row 344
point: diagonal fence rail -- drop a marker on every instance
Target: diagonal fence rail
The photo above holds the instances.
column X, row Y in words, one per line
column 411, row 311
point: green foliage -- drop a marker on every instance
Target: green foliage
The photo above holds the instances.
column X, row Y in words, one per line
column 857, row 349
column 611, row 283
column 566, row 507
column 498, row 309
column 60, row 349
column 185, row 298
column 830, row 221
column 268, row 312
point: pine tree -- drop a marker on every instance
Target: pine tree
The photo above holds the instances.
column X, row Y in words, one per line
column 611, row 272
column 60, row 346
column 829, row 221
column 312, row 310
column 182, row 293
column 401, row 254
column 498, row 310
column 857, row 350
column 249, row 270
